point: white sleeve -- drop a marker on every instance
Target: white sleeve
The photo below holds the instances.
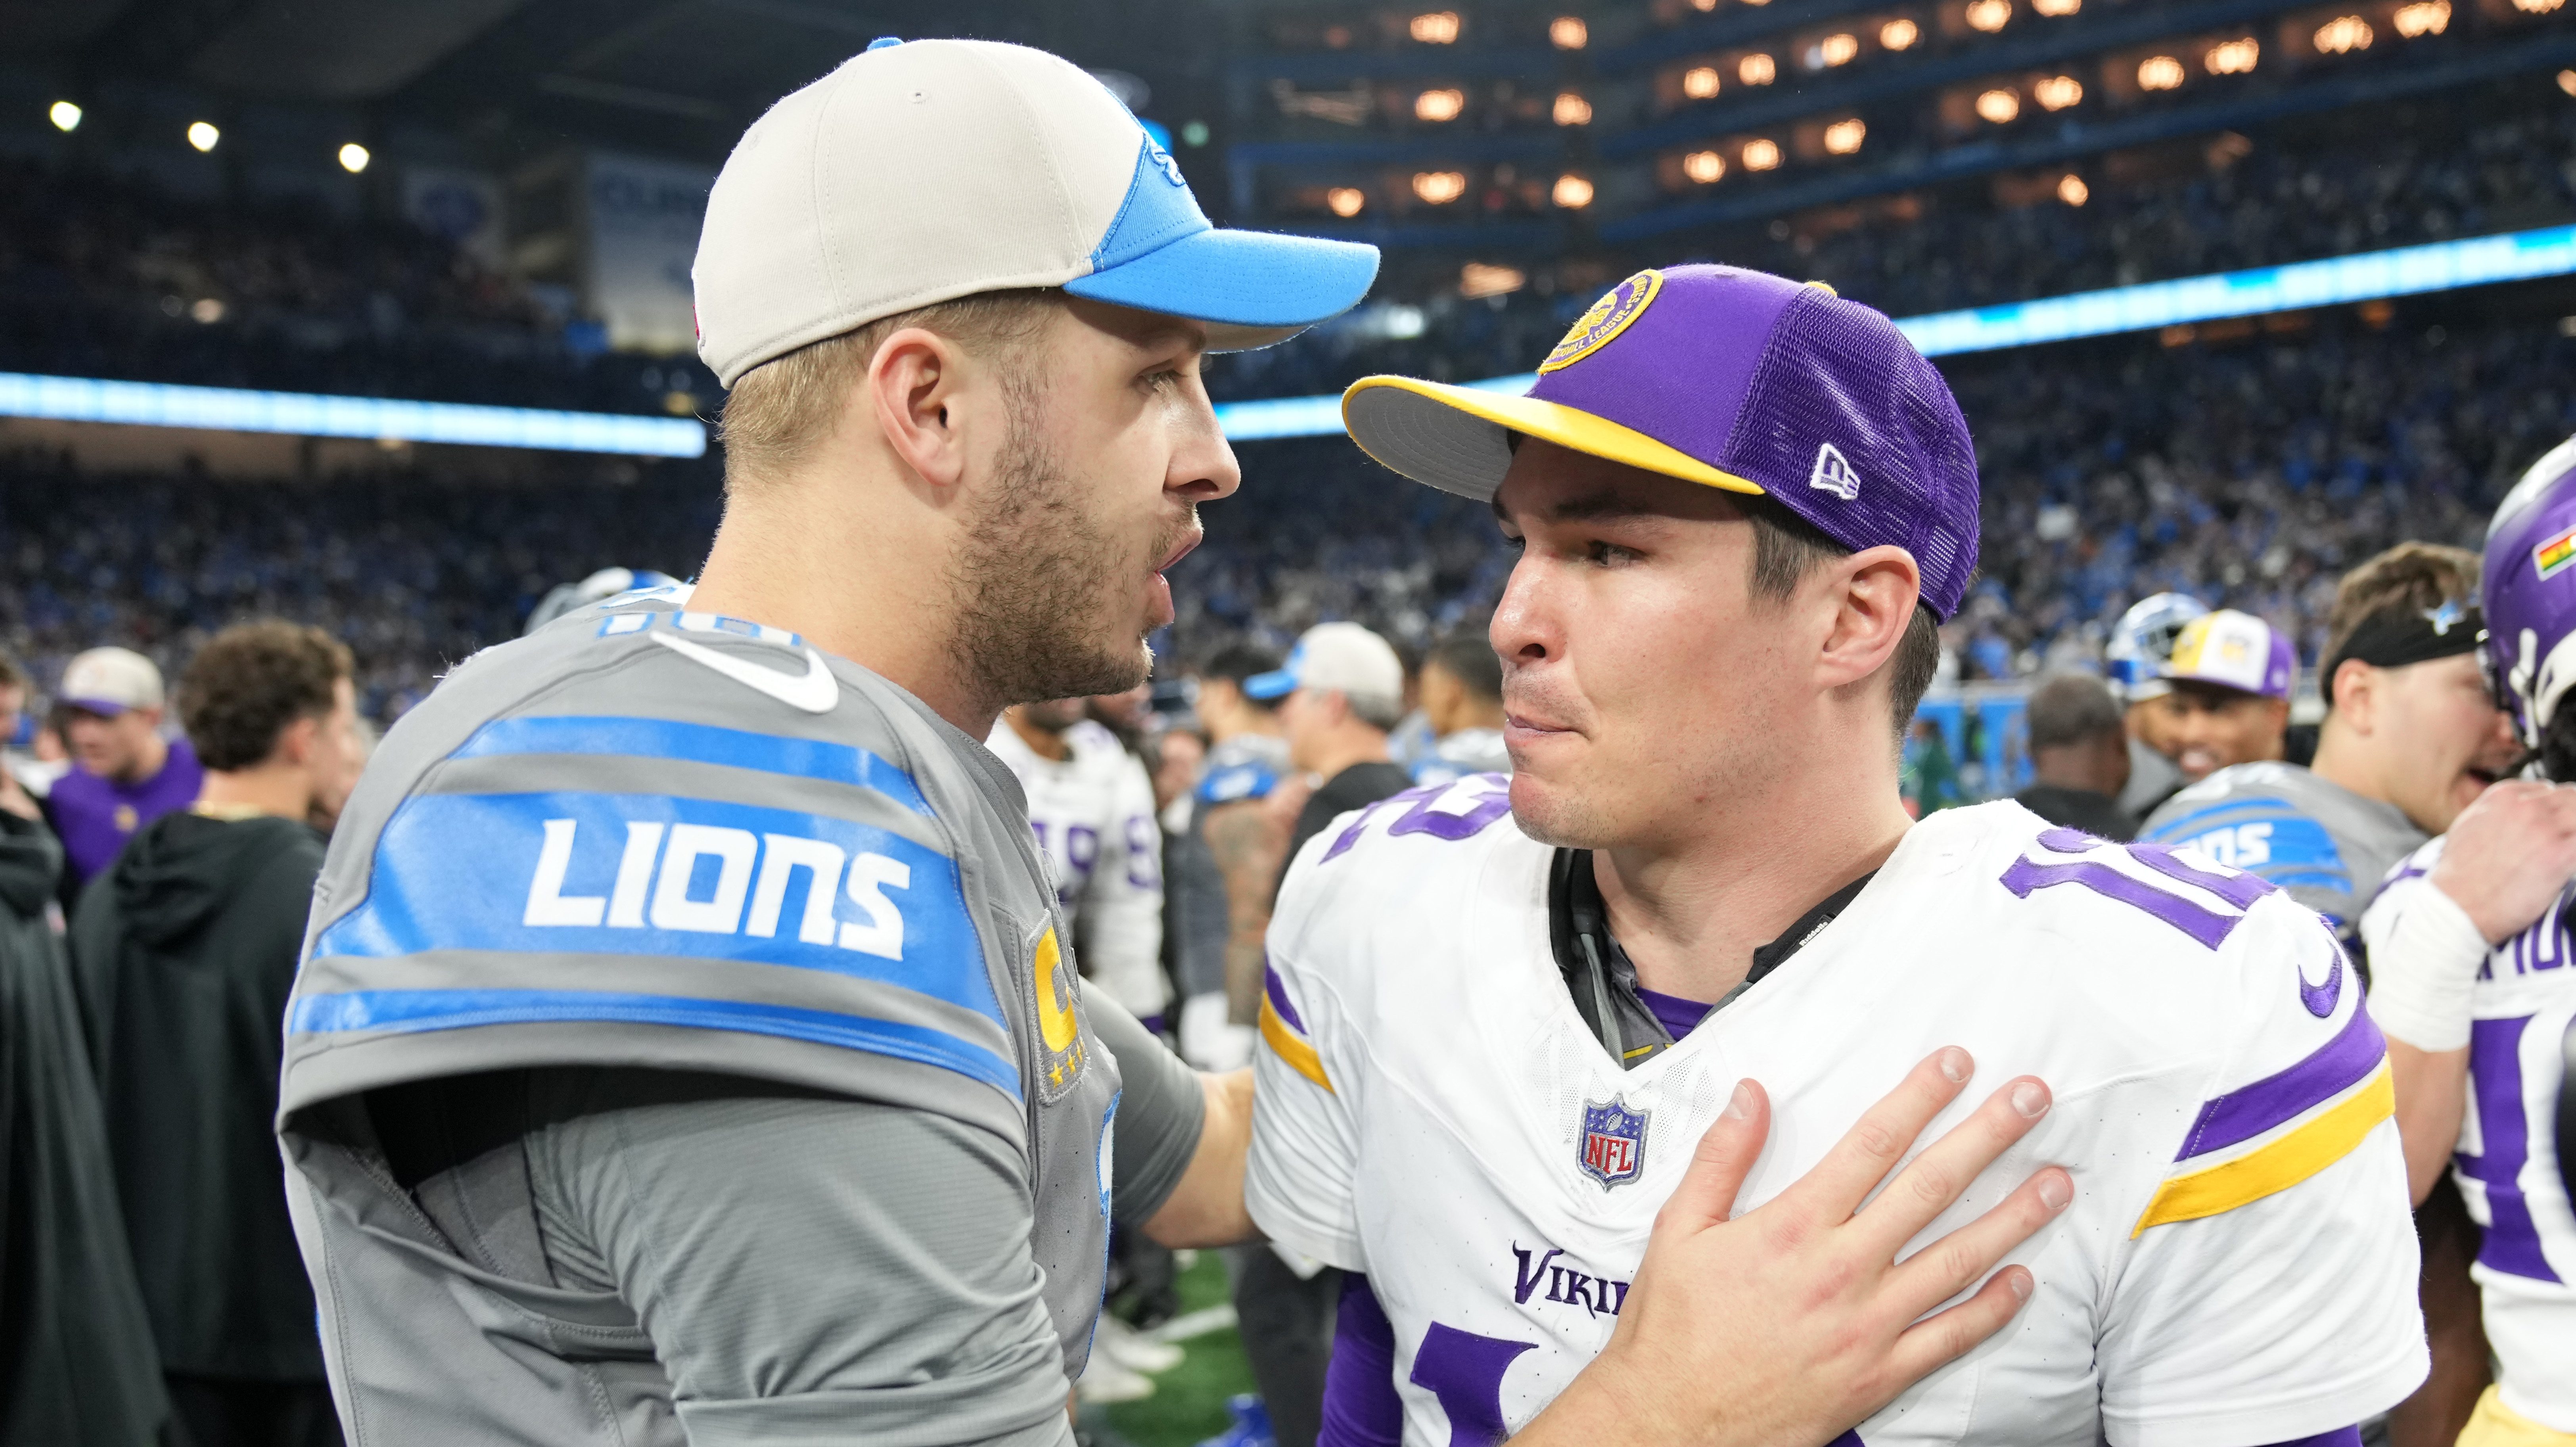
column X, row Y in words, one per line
column 2269, row 1293
column 1122, row 906
column 1298, row 1183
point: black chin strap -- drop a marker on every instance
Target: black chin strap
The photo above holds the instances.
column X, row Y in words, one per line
column 1578, row 930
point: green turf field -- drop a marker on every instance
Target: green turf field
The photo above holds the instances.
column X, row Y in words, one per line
column 1188, row 1405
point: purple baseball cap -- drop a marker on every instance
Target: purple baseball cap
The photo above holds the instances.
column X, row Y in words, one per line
column 2529, row 582
column 1736, row 379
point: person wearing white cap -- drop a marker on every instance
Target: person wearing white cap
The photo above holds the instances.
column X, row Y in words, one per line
column 1339, row 693
column 124, row 774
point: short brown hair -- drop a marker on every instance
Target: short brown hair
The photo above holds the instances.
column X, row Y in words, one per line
column 251, row 681
column 2414, row 576
column 1786, row 548
column 779, row 410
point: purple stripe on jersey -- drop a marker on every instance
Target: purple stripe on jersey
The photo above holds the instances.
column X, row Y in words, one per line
column 2337, row 1066
column 2067, row 841
column 1848, row 1439
column 2205, row 925
column 2512, row 1241
column 2240, row 890
column 1277, row 990
column 2339, row 1437
column 1678, row 1016
column 1153, row 1023
column 1361, row 1408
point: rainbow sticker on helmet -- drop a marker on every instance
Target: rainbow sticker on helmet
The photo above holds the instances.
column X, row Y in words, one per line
column 1606, row 319
column 2554, row 554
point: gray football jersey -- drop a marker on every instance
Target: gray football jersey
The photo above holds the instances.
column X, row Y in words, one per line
column 2324, row 845
column 644, row 837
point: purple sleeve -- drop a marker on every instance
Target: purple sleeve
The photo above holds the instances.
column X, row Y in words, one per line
column 2340, row 1437
column 1360, row 1405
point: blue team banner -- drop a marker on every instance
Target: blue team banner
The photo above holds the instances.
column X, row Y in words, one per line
column 2336, row 281
column 309, row 414
column 578, row 872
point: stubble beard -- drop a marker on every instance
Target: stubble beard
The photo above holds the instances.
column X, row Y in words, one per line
column 1044, row 591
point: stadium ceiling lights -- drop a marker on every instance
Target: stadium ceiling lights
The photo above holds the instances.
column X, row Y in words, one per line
column 203, row 135
column 65, row 116
column 303, row 414
column 2336, row 281
column 354, row 158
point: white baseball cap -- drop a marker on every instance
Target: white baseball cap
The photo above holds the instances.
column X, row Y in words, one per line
column 925, row 171
column 109, row 681
column 1344, row 657
column 2234, row 650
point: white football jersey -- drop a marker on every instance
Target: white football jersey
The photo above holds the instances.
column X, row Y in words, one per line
column 2507, row 1164
column 2238, row 1266
column 1093, row 813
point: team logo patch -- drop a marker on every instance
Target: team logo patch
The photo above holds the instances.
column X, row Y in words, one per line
column 1060, row 1050
column 2554, row 554
column 1608, row 317
column 1613, row 1143
column 1834, row 474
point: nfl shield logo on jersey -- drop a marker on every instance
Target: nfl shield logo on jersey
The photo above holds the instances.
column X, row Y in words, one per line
column 1614, row 1143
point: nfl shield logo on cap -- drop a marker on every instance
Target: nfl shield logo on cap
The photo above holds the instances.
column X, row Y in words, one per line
column 1614, row 1143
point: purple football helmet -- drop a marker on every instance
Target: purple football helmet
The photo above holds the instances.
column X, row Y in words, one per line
column 2530, row 591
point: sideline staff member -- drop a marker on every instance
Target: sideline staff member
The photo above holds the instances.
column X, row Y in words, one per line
column 687, row 1046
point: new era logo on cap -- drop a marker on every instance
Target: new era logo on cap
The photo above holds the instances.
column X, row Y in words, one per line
column 1833, row 474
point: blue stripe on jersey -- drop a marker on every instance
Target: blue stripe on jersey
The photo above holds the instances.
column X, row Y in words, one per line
column 2266, row 837
column 408, row 1011
column 648, row 874
column 654, row 738
column 1237, row 781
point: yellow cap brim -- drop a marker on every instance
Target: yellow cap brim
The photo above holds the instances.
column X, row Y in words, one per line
column 1457, row 438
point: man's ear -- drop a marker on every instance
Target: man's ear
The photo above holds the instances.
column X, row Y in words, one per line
column 2354, row 693
column 912, row 385
column 1874, row 593
column 295, row 741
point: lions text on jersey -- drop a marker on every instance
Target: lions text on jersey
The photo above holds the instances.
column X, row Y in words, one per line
column 2523, row 1008
column 2323, row 844
column 2238, row 1266
column 1093, row 813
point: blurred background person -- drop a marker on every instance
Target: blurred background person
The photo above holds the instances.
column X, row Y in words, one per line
column 2140, row 645
column 185, row 952
column 2079, row 757
column 77, row 1363
column 1462, row 702
column 1092, row 809
column 2227, row 694
column 1247, row 806
column 124, row 774
column 1194, row 907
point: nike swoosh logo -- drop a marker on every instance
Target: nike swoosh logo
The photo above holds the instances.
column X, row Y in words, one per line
column 815, row 690
column 2320, row 999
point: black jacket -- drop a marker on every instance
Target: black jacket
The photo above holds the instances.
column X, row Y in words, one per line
column 77, row 1366
column 186, row 950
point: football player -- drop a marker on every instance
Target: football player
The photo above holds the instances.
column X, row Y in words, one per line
column 2470, row 949
column 1092, row 809
column 2141, row 643
column 2412, row 733
column 1499, row 1013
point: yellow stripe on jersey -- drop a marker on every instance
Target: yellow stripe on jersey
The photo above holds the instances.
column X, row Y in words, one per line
column 2325, row 1139
column 1299, row 1055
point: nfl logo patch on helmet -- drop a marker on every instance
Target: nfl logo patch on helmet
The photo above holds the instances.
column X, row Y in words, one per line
column 1614, row 1143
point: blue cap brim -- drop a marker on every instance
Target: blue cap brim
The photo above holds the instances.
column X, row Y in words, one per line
column 1276, row 684
column 1252, row 288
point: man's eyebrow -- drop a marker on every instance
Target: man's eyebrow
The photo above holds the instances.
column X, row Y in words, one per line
column 1595, row 505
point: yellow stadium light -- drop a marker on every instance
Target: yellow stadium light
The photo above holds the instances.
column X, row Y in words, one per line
column 1704, row 166
column 2057, row 92
column 1761, row 155
column 1436, row 27
column 2056, row 9
column 2160, row 72
column 2567, row 81
column 1439, row 105
column 1478, row 279
column 2072, row 190
column 1999, row 105
column 1700, row 82
column 2427, row 17
column 1757, row 69
column 1439, row 187
column 354, row 158
column 1568, row 32
column 203, row 136
column 2537, row 7
column 1844, row 137
column 64, row 115
column 1899, row 34
column 1703, row 6
column 2232, row 57
column 1572, row 192
column 1836, row 50
column 1345, row 200
column 1988, row 15
column 1571, row 109
column 2343, row 35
